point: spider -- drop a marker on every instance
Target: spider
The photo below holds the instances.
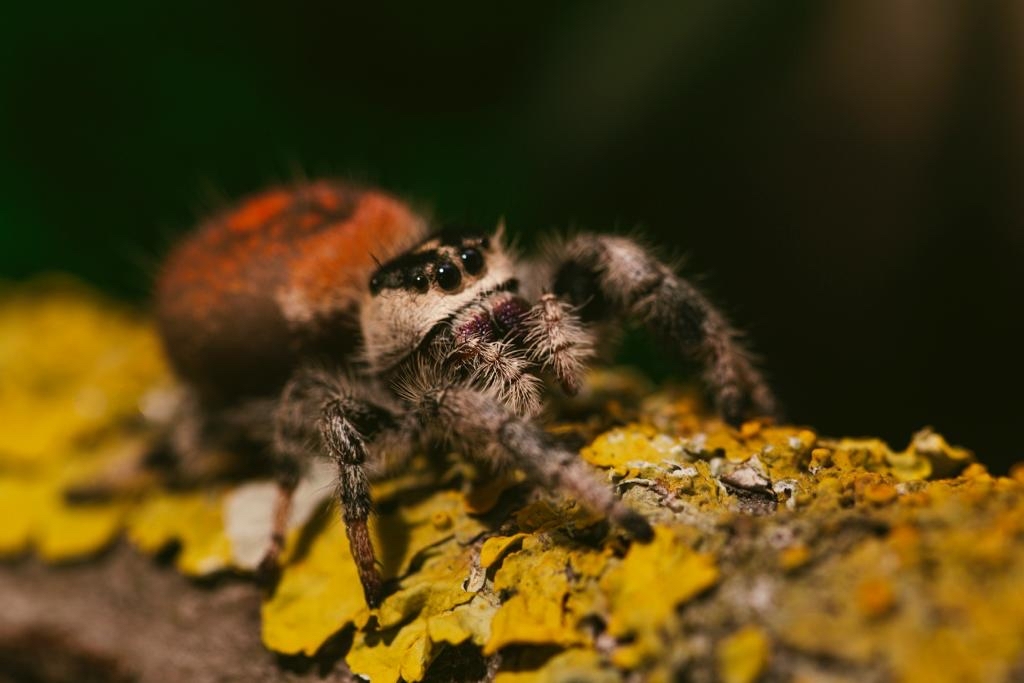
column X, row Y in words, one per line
column 326, row 319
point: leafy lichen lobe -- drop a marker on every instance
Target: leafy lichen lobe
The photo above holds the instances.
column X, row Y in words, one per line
column 779, row 553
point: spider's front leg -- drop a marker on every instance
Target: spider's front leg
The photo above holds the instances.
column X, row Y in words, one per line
column 492, row 433
column 322, row 408
column 607, row 276
column 344, row 444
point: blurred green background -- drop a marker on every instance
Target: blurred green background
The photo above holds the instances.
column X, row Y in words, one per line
column 845, row 178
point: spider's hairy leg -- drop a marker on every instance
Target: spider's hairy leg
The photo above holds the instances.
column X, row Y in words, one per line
column 558, row 341
column 178, row 455
column 616, row 276
column 345, row 445
column 505, row 441
column 289, row 462
column 320, row 411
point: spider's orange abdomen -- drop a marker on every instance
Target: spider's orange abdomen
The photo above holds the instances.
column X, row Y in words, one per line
column 273, row 279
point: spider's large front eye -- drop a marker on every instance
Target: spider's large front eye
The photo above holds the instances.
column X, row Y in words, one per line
column 420, row 282
column 376, row 284
column 448, row 276
column 472, row 260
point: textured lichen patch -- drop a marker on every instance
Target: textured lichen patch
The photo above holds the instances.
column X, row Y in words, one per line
column 387, row 657
column 575, row 664
column 317, row 596
column 538, row 581
column 71, row 366
column 640, row 613
column 743, row 655
column 75, row 373
column 779, row 554
column 193, row 520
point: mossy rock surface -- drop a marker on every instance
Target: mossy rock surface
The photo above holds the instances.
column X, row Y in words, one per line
column 779, row 554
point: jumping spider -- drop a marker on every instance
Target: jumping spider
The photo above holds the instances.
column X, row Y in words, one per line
column 292, row 335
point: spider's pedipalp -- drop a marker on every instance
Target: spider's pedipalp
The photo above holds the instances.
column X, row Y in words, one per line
column 558, row 341
column 497, row 366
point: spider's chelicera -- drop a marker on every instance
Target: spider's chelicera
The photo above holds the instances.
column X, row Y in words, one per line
column 458, row 335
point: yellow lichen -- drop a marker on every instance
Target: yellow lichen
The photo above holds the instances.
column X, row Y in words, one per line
column 73, row 373
column 71, row 366
column 469, row 621
column 875, row 597
column 435, row 588
column 743, row 656
column 387, row 657
column 574, row 664
column 641, row 600
column 194, row 520
column 621, row 449
column 21, row 501
column 635, row 606
column 319, row 593
column 777, row 550
column 495, row 547
column 794, row 556
column 39, row 517
column 537, row 580
column 70, row 533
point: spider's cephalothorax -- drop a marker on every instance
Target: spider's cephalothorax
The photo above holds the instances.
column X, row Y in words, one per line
column 451, row 307
column 458, row 335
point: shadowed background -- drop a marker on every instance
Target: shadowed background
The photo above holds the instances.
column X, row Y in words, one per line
column 843, row 177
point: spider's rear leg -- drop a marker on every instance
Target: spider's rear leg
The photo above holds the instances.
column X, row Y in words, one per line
column 615, row 276
column 186, row 449
column 492, row 433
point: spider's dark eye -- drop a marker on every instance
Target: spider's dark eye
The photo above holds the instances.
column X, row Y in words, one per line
column 448, row 276
column 376, row 283
column 472, row 260
column 420, row 282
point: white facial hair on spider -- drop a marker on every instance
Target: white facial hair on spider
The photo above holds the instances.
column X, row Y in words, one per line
column 398, row 316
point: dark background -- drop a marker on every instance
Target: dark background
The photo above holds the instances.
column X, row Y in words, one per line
column 844, row 177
